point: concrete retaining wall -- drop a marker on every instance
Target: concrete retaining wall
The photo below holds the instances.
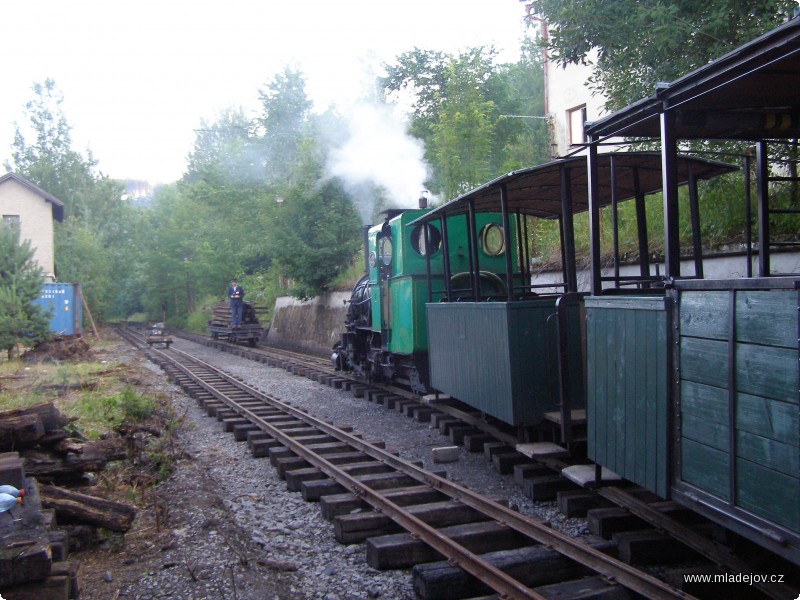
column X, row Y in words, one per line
column 312, row 326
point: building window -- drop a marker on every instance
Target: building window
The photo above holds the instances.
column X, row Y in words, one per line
column 576, row 117
column 11, row 221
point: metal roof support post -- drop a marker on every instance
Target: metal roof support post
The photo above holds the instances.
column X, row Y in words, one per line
column 427, row 239
column 594, row 217
column 669, row 176
column 527, row 249
column 641, row 228
column 562, row 248
column 507, row 242
column 522, row 250
column 694, row 213
column 475, row 268
column 614, row 221
column 568, row 232
column 762, row 183
column 448, row 285
column 748, row 217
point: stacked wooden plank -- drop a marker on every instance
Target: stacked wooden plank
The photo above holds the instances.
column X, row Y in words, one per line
column 26, row 427
column 33, row 553
column 36, row 452
column 48, row 451
column 250, row 331
column 221, row 316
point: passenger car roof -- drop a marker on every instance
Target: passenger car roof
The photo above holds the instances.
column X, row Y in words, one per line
column 536, row 191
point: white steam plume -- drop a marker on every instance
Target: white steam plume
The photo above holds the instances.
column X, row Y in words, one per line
column 379, row 151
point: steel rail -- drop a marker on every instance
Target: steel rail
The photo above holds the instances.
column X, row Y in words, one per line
column 584, row 554
column 707, row 548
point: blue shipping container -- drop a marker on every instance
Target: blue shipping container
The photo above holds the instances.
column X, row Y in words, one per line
column 63, row 300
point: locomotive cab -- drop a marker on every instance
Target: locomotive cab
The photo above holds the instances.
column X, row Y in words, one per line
column 386, row 338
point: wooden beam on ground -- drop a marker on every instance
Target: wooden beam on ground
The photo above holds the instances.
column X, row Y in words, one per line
column 74, row 506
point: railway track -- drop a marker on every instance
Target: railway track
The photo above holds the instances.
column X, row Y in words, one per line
column 321, row 369
column 341, row 471
column 468, row 429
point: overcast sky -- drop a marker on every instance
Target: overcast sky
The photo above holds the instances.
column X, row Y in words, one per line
column 138, row 76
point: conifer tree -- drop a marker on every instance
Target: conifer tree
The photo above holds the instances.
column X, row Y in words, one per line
column 21, row 278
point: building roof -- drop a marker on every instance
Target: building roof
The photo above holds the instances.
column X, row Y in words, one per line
column 537, row 191
column 749, row 93
column 58, row 206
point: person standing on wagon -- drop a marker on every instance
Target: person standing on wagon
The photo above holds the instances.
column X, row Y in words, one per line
column 235, row 294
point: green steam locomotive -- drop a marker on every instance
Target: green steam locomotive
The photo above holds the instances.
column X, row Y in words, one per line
column 386, row 337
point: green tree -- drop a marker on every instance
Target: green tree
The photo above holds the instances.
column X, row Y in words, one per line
column 517, row 89
column 181, row 261
column 464, row 132
column 95, row 238
column 226, row 150
column 21, row 279
column 46, row 157
column 284, row 123
column 244, row 187
column 466, row 110
column 217, row 218
column 423, row 74
column 315, row 233
column 89, row 264
column 642, row 42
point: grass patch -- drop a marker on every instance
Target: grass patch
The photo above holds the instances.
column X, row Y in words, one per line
column 98, row 413
column 101, row 396
column 198, row 319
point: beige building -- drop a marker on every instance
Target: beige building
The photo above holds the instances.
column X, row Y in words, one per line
column 30, row 209
column 570, row 104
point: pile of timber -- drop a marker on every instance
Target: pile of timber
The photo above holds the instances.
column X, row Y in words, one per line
column 34, row 554
column 38, row 455
column 50, row 453
column 221, row 317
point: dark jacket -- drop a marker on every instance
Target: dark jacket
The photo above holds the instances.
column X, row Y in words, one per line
column 236, row 293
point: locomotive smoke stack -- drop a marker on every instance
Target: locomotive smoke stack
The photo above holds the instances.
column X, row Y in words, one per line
column 365, row 238
column 423, row 199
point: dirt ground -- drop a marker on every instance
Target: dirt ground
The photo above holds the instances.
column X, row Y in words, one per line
column 72, row 348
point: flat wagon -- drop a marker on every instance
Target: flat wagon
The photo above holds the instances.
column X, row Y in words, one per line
column 249, row 332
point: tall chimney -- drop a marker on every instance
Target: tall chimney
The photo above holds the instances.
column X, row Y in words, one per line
column 365, row 238
column 423, row 199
